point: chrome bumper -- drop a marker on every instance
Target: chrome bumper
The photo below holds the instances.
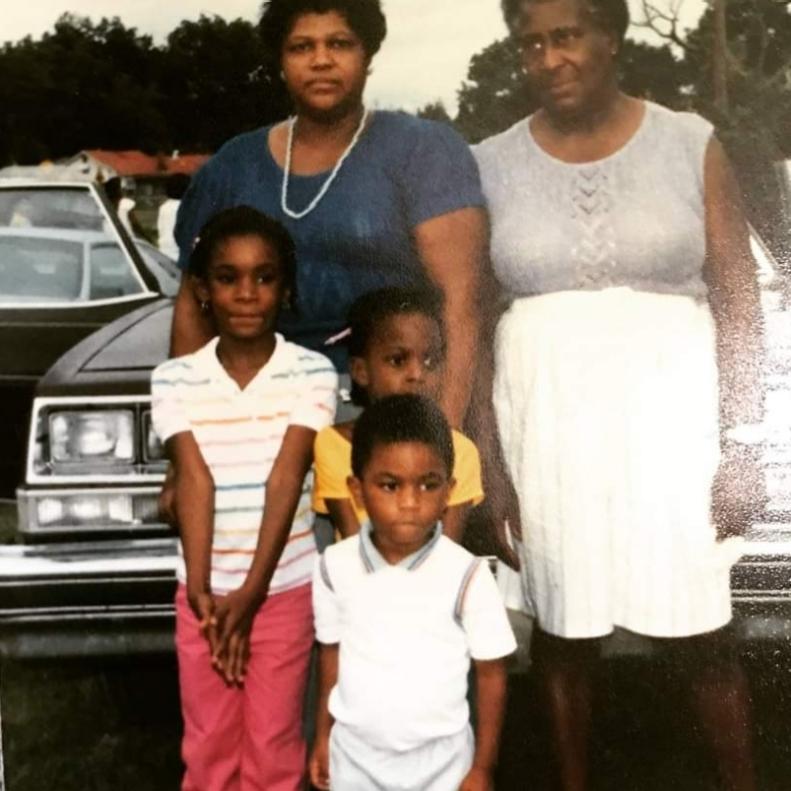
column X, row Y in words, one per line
column 87, row 599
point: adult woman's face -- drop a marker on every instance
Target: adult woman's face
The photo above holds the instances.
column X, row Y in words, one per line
column 569, row 59
column 325, row 65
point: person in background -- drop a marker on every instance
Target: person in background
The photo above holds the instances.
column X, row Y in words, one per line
column 175, row 187
column 629, row 354
column 395, row 345
column 238, row 418
column 400, row 612
column 371, row 198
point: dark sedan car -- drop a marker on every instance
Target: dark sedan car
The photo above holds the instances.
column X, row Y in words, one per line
column 95, row 553
column 66, row 269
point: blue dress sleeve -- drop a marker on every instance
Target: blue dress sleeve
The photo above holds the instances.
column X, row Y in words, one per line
column 440, row 175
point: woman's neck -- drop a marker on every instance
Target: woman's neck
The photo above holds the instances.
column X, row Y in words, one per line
column 242, row 359
column 336, row 129
column 602, row 113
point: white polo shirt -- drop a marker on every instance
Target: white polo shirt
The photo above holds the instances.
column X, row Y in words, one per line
column 239, row 433
column 406, row 633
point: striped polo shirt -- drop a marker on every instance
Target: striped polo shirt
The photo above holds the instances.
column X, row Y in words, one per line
column 239, row 433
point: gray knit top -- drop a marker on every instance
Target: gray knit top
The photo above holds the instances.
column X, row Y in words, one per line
column 635, row 218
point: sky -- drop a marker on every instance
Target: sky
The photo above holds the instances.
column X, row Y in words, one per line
column 424, row 59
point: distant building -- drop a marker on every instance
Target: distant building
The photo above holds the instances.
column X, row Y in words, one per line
column 144, row 177
column 100, row 164
column 96, row 164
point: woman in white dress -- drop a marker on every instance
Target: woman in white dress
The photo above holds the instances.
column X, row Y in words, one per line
column 630, row 347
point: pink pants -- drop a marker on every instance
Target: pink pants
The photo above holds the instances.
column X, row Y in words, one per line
column 248, row 738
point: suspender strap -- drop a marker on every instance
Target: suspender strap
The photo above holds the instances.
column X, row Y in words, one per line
column 325, row 574
column 465, row 584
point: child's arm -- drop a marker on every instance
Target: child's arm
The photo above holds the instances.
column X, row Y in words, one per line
column 283, row 488
column 319, row 764
column 332, row 462
column 467, row 489
column 490, row 688
column 490, row 640
column 343, row 516
column 194, row 503
column 454, row 520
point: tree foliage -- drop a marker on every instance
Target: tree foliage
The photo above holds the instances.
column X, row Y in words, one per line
column 214, row 83
column 102, row 85
column 755, row 121
column 494, row 96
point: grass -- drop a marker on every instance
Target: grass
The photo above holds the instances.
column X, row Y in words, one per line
column 91, row 724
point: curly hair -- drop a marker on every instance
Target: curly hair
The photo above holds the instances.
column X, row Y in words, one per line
column 244, row 221
column 364, row 17
column 610, row 15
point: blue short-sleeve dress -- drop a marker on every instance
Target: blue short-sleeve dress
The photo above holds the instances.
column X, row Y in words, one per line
column 402, row 172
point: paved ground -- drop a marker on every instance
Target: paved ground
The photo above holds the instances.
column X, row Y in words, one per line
column 93, row 725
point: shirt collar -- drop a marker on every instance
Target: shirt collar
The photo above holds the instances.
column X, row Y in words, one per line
column 206, row 361
column 373, row 560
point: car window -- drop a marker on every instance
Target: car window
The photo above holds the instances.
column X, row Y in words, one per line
column 73, row 209
column 46, row 269
column 110, row 274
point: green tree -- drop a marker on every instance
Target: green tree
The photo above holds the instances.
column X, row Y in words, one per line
column 494, row 96
column 652, row 72
column 754, row 124
column 83, row 85
column 435, row 111
column 101, row 85
column 214, row 84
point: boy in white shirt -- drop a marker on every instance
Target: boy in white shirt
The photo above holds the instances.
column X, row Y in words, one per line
column 400, row 611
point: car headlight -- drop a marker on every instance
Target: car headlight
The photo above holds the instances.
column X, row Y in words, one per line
column 96, row 437
column 56, row 511
column 75, row 440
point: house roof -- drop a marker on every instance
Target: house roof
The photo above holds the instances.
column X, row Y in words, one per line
column 137, row 163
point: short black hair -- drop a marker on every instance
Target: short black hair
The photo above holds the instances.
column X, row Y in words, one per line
column 611, row 15
column 374, row 308
column 401, row 418
column 244, row 221
column 364, row 17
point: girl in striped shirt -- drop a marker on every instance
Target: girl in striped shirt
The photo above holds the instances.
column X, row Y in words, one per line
column 238, row 418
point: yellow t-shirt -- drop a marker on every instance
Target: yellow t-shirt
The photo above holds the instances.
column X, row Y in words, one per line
column 333, row 462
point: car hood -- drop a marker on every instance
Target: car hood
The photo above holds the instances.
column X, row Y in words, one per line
column 115, row 360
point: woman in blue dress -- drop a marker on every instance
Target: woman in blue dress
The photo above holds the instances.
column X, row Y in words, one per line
column 372, row 198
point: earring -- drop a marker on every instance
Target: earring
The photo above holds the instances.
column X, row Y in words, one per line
column 204, row 306
column 282, row 75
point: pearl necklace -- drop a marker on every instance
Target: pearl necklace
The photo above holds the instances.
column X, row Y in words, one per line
column 298, row 215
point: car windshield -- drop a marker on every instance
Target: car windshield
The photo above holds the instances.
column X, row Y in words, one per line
column 110, row 274
column 47, row 269
column 68, row 208
column 58, row 245
column 42, row 266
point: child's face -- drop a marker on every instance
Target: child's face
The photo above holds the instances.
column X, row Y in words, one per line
column 403, row 356
column 244, row 286
column 405, row 489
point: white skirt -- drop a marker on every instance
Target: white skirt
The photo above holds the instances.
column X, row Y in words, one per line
column 607, row 406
